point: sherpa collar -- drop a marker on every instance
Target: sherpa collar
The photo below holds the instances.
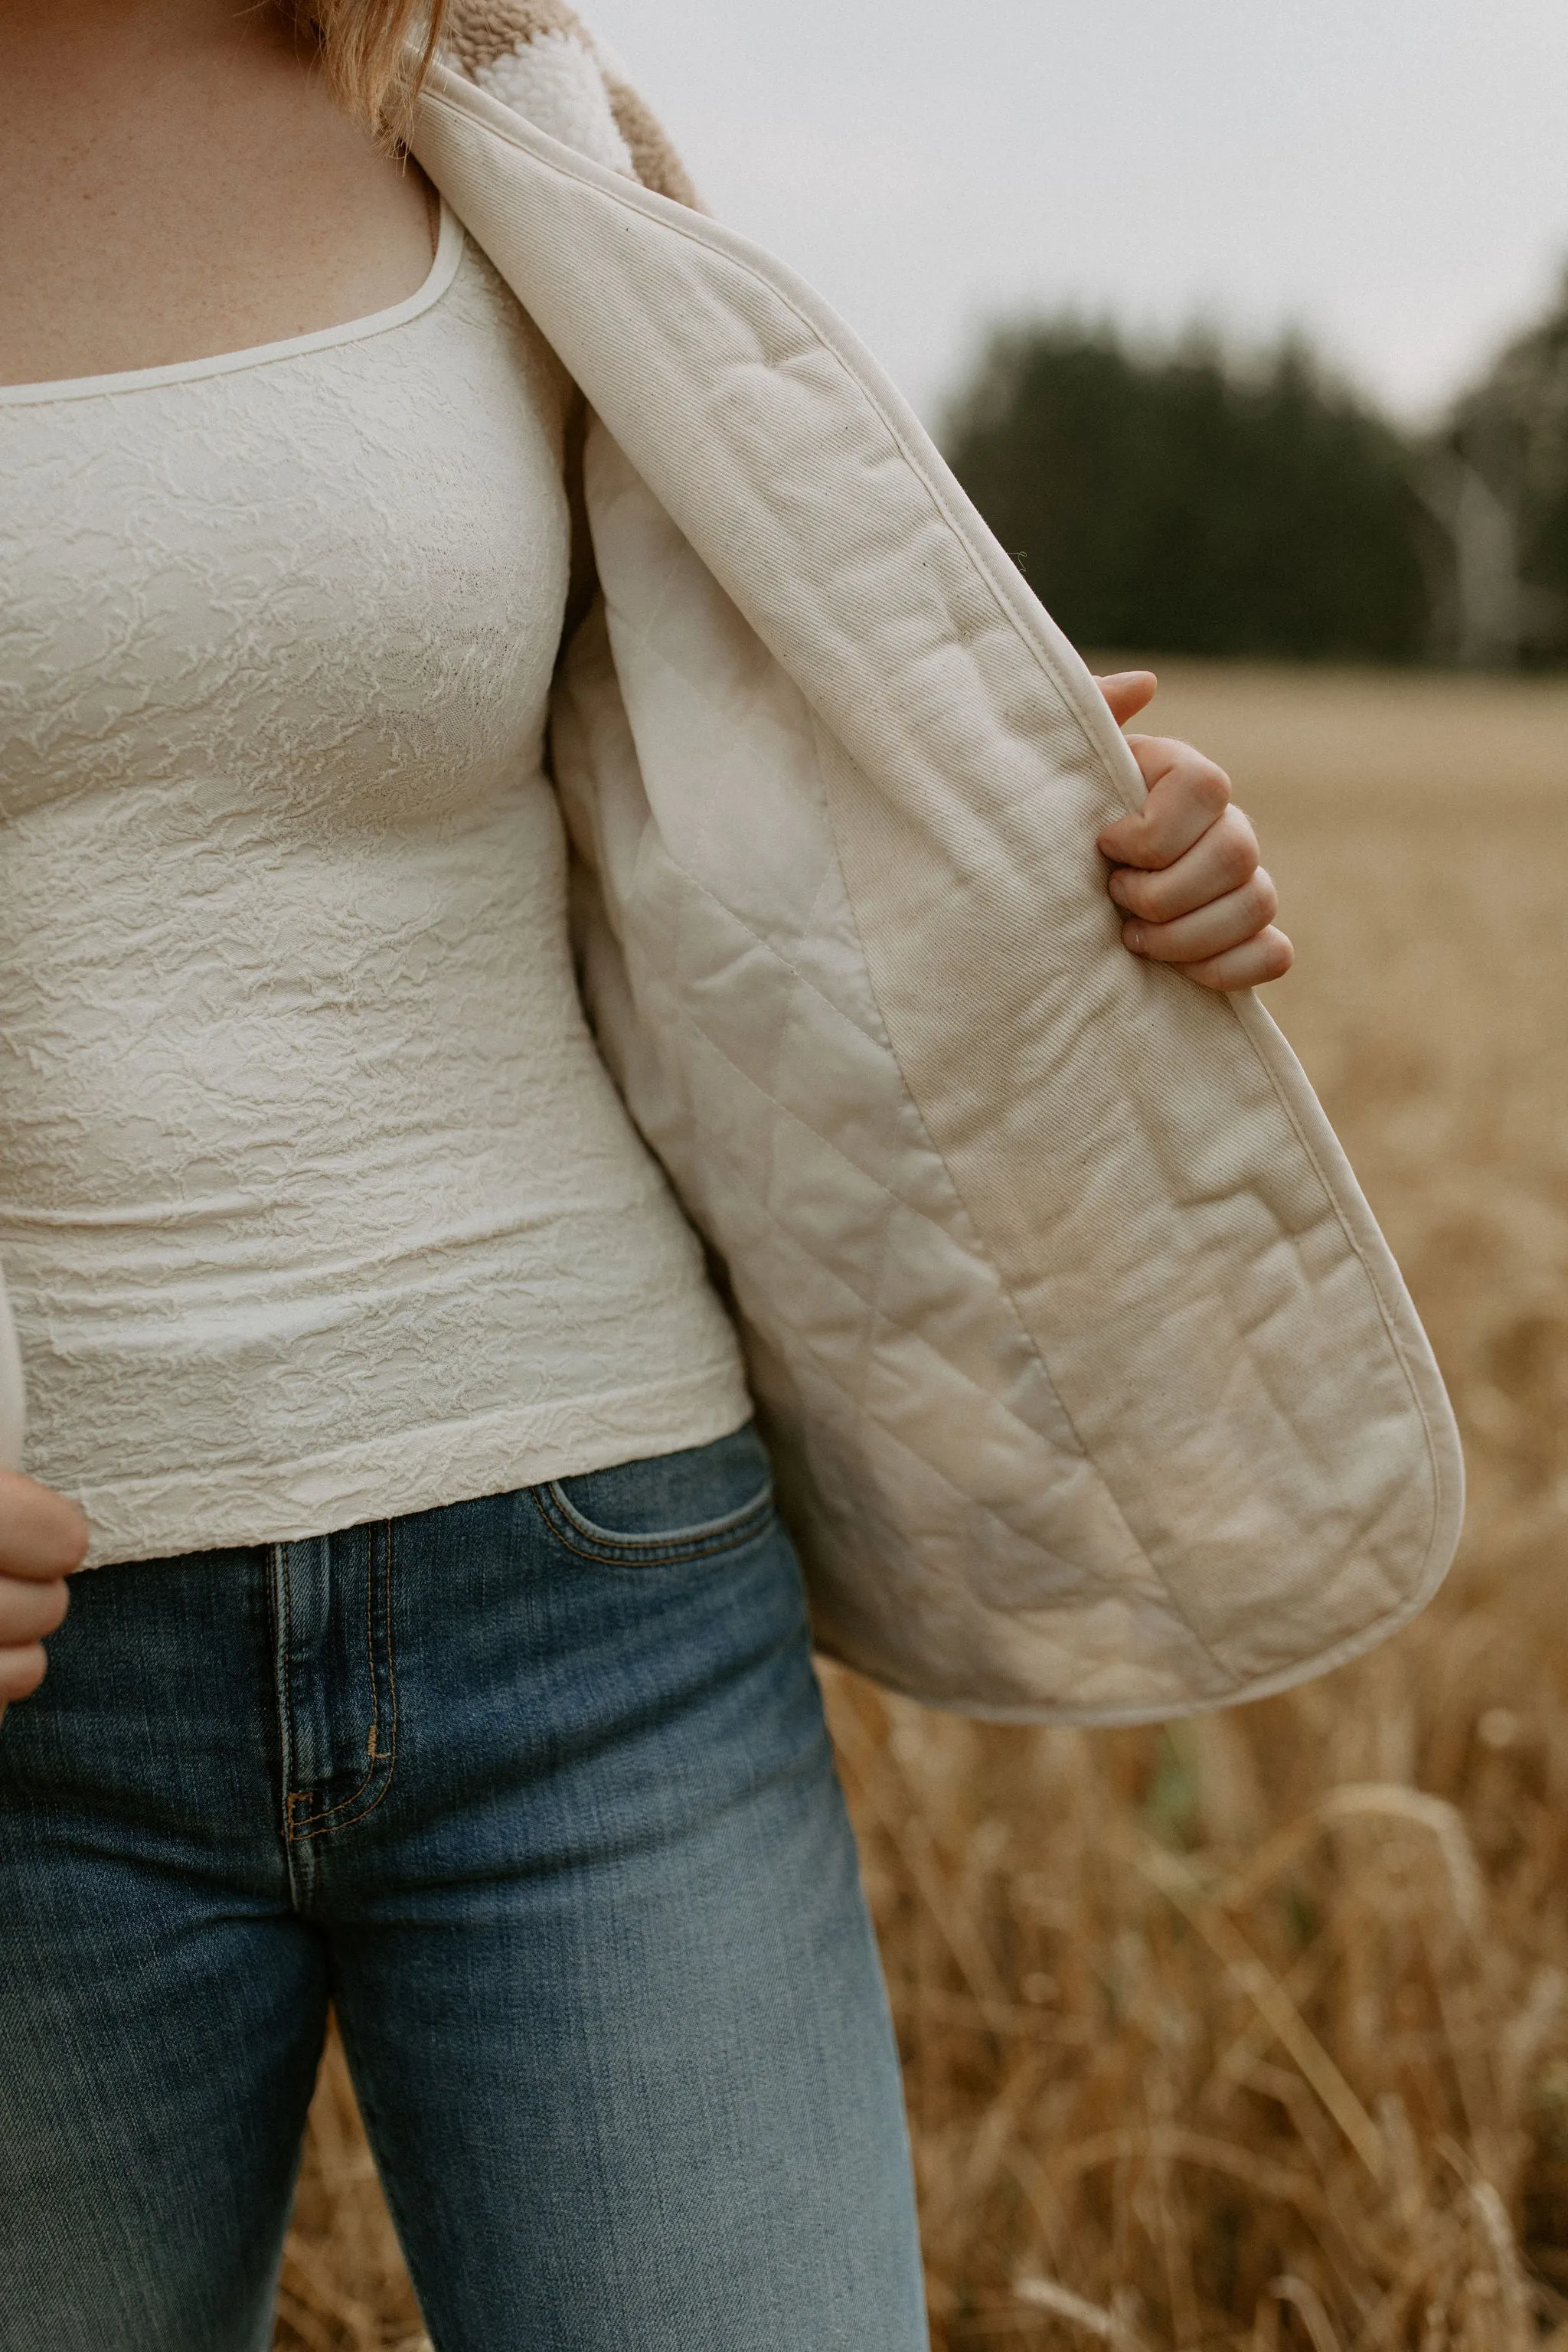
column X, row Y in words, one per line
column 538, row 57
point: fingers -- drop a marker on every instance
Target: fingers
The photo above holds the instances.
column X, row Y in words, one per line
column 21, row 1671
column 1187, row 874
column 30, row 1610
column 1186, row 794
column 42, row 1534
column 43, row 1539
column 1209, row 931
column 1128, row 691
column 1221, row 860
column 1267, row 955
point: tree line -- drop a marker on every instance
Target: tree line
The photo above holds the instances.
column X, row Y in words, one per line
column 1189, row 499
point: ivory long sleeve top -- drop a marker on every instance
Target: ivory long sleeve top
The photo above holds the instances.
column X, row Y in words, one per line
column 317, row 1203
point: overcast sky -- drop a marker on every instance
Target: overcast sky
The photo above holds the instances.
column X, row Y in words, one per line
column 1392, row 174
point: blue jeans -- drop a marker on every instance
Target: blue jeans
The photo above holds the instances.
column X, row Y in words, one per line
column 536, row 1791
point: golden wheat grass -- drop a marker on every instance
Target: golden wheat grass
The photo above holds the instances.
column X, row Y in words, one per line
column 1253, row 2033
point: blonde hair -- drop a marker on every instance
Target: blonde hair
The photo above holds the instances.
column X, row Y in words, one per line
column 374, row 53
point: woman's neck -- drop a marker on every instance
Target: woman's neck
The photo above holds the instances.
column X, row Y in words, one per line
column 175, row 180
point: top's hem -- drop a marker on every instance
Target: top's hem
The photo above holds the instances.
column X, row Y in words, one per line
column 411, row 1471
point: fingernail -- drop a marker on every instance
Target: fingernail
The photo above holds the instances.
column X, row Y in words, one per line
column 1132, row 936
column 1117, row 890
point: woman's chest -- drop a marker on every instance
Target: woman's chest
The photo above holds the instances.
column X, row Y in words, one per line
column 330, row 582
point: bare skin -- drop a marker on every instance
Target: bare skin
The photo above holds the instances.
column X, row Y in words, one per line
column 43, row 1539
column 175, row 183
column 1185, row 865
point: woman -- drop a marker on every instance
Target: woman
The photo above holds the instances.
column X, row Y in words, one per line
column 444, row 1656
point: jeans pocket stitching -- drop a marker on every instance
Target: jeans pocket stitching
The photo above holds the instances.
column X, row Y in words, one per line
column 673, row 1550
column 698, row 1533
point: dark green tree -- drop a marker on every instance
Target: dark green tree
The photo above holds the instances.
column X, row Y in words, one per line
column 1180, row 500
column 1510, row 429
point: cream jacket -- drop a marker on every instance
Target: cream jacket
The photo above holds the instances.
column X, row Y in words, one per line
column 1093, row 1390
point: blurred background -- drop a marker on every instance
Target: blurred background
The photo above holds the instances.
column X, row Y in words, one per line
column 1245, row 327
column 1248, row 329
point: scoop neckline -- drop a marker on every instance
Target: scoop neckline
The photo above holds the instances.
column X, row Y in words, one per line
column 443, row 269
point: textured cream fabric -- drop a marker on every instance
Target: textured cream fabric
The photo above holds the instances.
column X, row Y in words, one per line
column 316, row 1200
column 1094, row 1390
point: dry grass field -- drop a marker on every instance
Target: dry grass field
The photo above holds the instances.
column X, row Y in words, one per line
column 1253, row 2033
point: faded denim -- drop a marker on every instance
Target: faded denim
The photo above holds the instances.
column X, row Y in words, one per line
column 536, row 1791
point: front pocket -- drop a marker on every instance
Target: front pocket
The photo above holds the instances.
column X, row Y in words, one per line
column 693, row 1505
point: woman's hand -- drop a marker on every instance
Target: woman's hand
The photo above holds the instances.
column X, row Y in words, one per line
column 43, row 1538
column 1184, row 866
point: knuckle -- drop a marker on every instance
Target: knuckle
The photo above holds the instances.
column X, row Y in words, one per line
column 30, row 1611
column 42, row 1534
column 1260, row 900
column 1122, row 843
column 60, row 1556
column 1209, row 786
column 68, row 1533
column 1238, row 844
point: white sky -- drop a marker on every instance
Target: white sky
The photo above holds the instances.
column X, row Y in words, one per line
column 1392, row 174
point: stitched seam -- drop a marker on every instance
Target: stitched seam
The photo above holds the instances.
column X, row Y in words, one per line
column 325, row 1817
column 322, row 1814
column 292, row 1800
column 638, row 1551
column 330, row 1826
column 1439, row 1483
column 768, row 946
column 785, row 1111
column 282, row 1624
column 988, row 1510
column 710, row 1528
column 988, row 1396
column 326, row 1827
column 627, row 1555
